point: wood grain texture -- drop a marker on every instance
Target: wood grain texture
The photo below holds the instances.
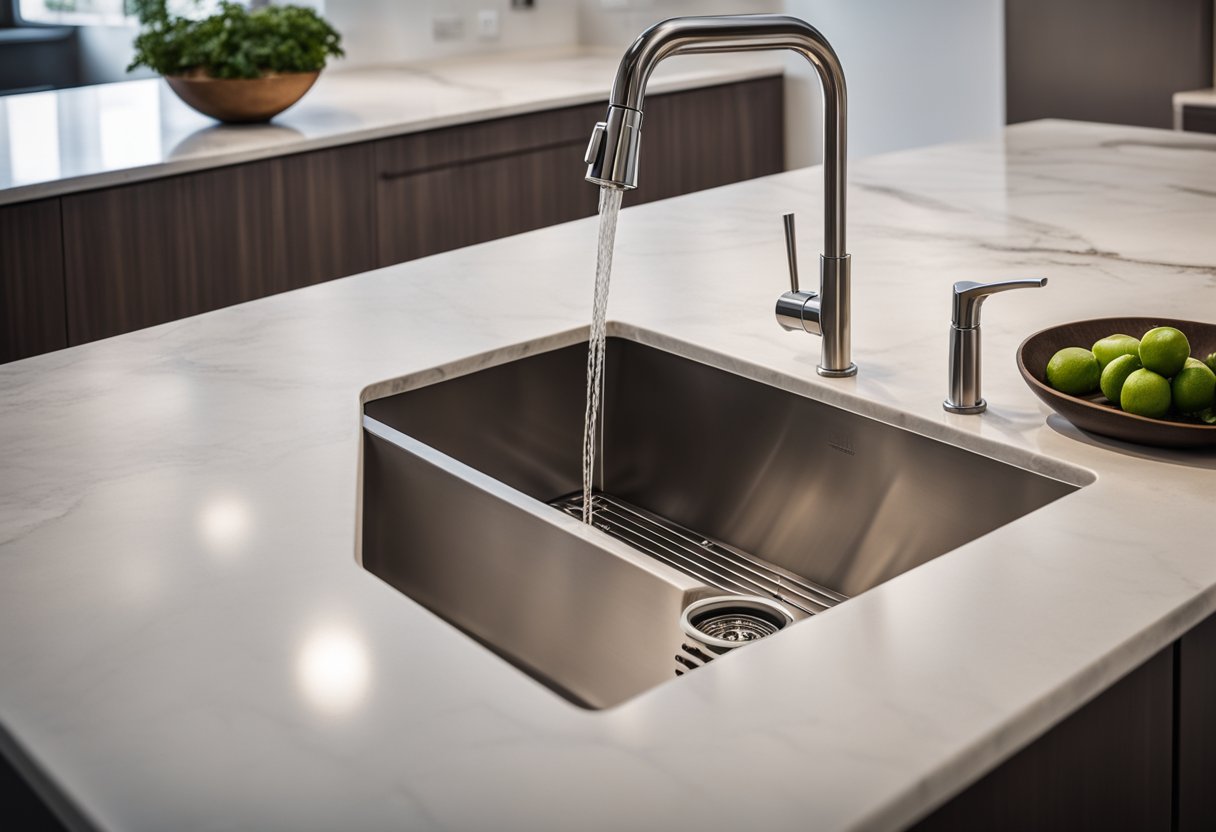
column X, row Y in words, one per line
column 473, row 183
column 31, row 280
column 1197, row 729
column 1116, row 61
column 420, row 152
column 710, row 137
column 459, row 205
column 1108, row 766
column 143, row 254
column 158, row 251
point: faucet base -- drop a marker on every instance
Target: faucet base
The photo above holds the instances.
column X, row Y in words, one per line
column 966, row 409
column 850, row 370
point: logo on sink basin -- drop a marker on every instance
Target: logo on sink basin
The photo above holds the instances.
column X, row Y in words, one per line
column 845, row 446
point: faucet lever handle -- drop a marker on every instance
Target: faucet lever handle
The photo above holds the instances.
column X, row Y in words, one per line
column 791, row 250
column 968, row 295
column 796, row 310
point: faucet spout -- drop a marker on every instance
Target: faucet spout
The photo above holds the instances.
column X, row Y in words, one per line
column 612, row 155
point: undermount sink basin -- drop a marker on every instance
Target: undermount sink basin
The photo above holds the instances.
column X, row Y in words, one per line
column 458, row 476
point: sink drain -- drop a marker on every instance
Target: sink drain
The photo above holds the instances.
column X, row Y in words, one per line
column 724, row 623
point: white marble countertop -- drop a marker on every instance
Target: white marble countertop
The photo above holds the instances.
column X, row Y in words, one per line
column 59, row 142
column 187, row 641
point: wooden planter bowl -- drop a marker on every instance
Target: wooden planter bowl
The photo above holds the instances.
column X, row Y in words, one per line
column 241, row 100
column 1094, row 413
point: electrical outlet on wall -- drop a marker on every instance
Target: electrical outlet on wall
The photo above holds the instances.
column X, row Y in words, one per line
column 487, row 24
column 447, row 27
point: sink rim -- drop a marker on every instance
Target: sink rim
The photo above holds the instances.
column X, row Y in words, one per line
column 828, row 392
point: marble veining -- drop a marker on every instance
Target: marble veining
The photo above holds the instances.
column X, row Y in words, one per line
column 187, row 641
column 64, row 141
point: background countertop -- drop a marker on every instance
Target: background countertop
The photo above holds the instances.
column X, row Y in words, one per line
column 187, row 641
column 90, row 137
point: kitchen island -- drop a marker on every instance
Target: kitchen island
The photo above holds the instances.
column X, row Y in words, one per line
column 188, row 641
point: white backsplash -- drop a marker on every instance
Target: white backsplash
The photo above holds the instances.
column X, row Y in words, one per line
column 618, row 22
column 395, row 31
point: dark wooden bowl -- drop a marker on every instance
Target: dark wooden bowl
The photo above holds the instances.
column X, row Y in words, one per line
column 1094, row 413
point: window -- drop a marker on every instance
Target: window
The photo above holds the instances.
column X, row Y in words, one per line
column 75, row 12
column 99, row 12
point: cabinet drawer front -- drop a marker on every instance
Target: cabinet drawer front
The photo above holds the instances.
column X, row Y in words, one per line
column 422, row 152
column 459, row 205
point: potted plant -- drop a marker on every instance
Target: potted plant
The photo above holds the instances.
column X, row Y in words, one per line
column 236, row 65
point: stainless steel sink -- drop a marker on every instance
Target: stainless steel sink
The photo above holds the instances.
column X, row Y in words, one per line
column 458, row 475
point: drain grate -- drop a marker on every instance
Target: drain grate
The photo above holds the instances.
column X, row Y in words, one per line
column 736, row 627
column 709, row 561
column 720, row 624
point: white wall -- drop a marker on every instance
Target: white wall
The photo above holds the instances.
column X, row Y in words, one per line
column 396, row 31
column 617, row 22
column 918, row 73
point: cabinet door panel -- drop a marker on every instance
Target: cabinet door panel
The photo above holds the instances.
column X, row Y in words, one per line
column 1108, row 766
column 1197, row 729
column 157, row 251
column 31, row 280
column 459, row 205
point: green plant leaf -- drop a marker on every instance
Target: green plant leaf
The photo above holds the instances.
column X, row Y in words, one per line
column 234, row 42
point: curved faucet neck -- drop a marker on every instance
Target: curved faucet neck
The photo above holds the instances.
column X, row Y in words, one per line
column 747, row 33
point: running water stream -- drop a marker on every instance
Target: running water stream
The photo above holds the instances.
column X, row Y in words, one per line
column 610, row 206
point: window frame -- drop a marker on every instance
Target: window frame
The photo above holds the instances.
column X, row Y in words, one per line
column 13, row 8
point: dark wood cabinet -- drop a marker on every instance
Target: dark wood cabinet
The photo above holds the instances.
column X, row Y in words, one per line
column 1108, row 766
column 100, row 263
column 31, row 280
column 709, row 137
column 1199, row 119
column 1196, row 722
column 144, row 254
column 463, row 185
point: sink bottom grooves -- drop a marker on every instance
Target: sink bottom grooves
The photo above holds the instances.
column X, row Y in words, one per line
column 698, row 556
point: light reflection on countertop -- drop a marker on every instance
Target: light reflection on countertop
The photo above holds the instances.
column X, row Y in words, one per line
column 333, row 670
column 58, row 142
column 224, row 525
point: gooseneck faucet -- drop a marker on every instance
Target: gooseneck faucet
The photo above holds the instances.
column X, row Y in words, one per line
column 612, row 155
